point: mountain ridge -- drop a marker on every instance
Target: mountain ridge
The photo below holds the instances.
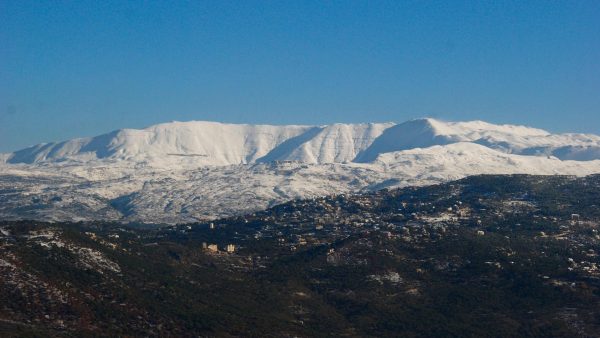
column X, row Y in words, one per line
column 215, row 143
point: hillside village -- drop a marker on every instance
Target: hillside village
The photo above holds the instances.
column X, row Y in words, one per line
column 344, row 261
column 407, row 215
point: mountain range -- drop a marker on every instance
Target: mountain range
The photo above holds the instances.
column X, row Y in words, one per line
column 212, row 143
column 188, row 171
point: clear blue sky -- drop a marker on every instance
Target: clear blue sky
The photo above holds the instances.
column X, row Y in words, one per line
column 80, row 68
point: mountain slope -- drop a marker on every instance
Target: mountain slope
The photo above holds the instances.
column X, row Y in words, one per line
column 184, row 172
column 424, row 133
column 331, row 144
column 150, row 195
column 421, row 133
column 209, row 143
column 197, row 143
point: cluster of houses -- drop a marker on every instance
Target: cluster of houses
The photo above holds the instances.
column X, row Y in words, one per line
column 323, row 220
column 214, row 248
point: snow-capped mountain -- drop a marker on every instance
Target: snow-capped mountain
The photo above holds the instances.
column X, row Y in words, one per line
column 505, row 138
column 211, row 143
column 208, row 143
column 214, row 144
column 185, row 171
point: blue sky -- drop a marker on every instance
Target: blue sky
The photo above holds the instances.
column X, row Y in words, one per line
column 81, row 68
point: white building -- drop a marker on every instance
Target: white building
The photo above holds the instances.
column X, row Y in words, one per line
column 230, row 248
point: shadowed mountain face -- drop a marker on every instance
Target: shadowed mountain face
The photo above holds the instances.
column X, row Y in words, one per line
column 214, row 144
column 409, row 135
column 286, row 148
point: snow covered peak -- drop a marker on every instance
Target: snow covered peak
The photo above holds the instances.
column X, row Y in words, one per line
column 420, row 133
column 334, row 143
column 425, row 133
column 207, row 143
column 203, row 143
